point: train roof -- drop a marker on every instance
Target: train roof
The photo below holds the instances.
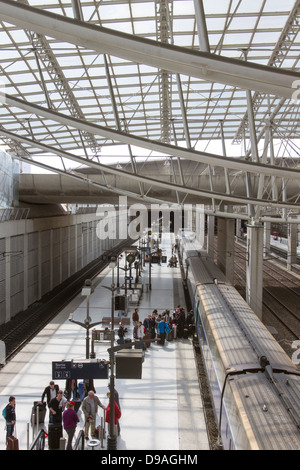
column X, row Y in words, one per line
column 242, row 338
column 270, row 419
column 205, row 270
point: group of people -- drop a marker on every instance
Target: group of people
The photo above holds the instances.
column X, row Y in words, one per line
column 172, row 262
column 159, row 325
column 62, row 411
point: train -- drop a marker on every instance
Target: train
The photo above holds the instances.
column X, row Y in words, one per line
column 254, row 385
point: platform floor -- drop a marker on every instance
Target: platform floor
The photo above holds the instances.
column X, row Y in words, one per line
column 161, row 411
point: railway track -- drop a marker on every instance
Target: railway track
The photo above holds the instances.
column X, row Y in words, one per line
column 26, row 325
column 281, row 299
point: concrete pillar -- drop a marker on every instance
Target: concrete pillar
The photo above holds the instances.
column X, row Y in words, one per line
column 7, row 278
column 69, row 250
column 210, row 235
column 267, row 239
column 51, row 259
column 254, row 267
column 200, row 228
column 292, row 245
column 40, row 265
column 225, row 259
column 76, row 248
column 25, row 270
column 60, row 255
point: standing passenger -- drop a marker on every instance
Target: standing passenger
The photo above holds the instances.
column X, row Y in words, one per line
column 70, row 420
column 10, row 416
column 135, row 317
column 55, row 407
column 50, row 392
column 90, row 408
column 162, row 330
column 141, row 334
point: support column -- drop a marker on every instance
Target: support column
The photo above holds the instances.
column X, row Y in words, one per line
column 254, row 267
column 226, row 247
column 40, row 265
column 200, row 228
column 267, row 238
column 7, row 278
column 210, row 235
column 25, row 270
column 292, row 245
column 51, row 285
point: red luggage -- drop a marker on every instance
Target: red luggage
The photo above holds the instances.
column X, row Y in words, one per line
column 12, row 443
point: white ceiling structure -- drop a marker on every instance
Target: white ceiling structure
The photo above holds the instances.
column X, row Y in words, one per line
column 158, row 82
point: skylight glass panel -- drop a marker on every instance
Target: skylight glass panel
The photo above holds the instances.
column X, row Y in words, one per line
column 277, row 5
column 113, row 12
column 144, row 27
column 183, row 8
column 140, row 10
column 251, row 7
column 186, row 25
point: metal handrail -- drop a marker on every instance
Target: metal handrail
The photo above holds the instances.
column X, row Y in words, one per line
column 39, row 441
column 79, row 443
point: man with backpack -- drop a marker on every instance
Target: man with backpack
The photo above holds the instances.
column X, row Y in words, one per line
column 9, row 414
column 162, row 330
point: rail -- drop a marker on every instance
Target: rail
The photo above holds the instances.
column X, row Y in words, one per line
column 13, row 214
column 39, row 441
column 79, row 443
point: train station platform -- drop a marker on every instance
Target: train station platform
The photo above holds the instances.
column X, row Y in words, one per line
column 161, row 411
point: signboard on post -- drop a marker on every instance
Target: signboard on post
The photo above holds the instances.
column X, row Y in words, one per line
column 79, row 370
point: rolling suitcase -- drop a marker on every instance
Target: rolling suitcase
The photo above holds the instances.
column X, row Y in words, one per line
column 185, row 333
column 12, row 443
column 38, row 411
column 54, row 435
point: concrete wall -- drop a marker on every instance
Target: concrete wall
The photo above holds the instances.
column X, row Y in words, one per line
column 36, row 255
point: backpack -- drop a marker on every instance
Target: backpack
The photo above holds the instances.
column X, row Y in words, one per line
column 4, row 413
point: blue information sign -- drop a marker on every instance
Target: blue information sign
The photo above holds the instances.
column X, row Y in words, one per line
column 79, row 370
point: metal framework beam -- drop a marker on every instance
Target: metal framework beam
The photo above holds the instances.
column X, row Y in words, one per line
column 175, row 59
column 189, row 154
column 233, row 199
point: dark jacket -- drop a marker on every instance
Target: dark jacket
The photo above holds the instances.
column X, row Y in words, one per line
column 10, row 413
column 47, row 393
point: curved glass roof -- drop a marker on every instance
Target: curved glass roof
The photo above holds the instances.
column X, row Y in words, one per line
column 72, row 70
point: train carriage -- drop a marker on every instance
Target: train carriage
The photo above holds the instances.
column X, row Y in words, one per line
column 254, row 385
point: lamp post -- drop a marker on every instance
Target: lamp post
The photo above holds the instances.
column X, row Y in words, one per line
column 112, row 438
column 86, row 292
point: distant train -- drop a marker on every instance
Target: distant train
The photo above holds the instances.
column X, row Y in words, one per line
column 254, row 385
